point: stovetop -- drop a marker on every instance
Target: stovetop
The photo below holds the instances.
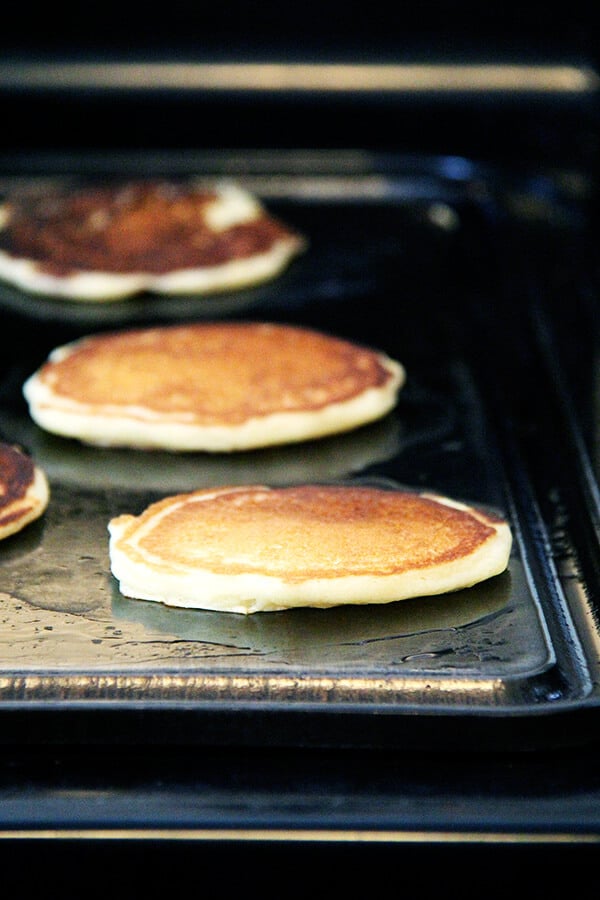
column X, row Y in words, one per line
column 432, row 722
column 417, row 263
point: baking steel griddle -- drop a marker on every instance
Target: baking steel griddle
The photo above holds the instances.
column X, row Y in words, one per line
column 405, row 263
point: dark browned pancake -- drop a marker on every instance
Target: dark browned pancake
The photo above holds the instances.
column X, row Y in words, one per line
column 253, row 548
column 24, row 492
column 106, row 242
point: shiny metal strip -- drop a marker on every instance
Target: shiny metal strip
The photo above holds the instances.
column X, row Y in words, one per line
column 299, row 835
column 327, row 78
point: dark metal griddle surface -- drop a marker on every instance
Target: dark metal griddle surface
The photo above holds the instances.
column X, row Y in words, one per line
column 404, row 262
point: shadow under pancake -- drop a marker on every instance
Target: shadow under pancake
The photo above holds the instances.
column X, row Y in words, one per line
column 421, row 632
column 129, row 311
column 321, row 274
column 417, row 419
column 22, row 543
column 74, row 464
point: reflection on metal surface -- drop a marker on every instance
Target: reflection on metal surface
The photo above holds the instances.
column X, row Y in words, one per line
column 302, row 835
column 303, row 77
column 57, row 633
column 70, row 462
column 414, row 652
column 252, row 690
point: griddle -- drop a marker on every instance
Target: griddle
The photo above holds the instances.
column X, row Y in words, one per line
column 448, row 743
column 411, row 259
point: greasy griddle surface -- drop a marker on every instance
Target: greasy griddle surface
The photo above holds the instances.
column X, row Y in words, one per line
column 403, row 277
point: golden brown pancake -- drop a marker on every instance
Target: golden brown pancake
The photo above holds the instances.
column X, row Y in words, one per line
column 24, row 492
column 107, row 242
column 252, row 548
column 214, row 386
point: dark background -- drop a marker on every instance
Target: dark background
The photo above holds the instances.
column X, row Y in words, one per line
column 507, row 126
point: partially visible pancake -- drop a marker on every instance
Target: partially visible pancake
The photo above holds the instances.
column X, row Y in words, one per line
column 214, row 386
column 252, row 548
column 107, row 242
column 24, row 491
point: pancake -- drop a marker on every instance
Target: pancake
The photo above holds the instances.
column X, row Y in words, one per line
column 251, row 549
column 108, row 242
column 211, row 386
column 24, row 492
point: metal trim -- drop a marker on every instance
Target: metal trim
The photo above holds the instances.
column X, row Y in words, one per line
column 366, row 836
column 322, row 78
